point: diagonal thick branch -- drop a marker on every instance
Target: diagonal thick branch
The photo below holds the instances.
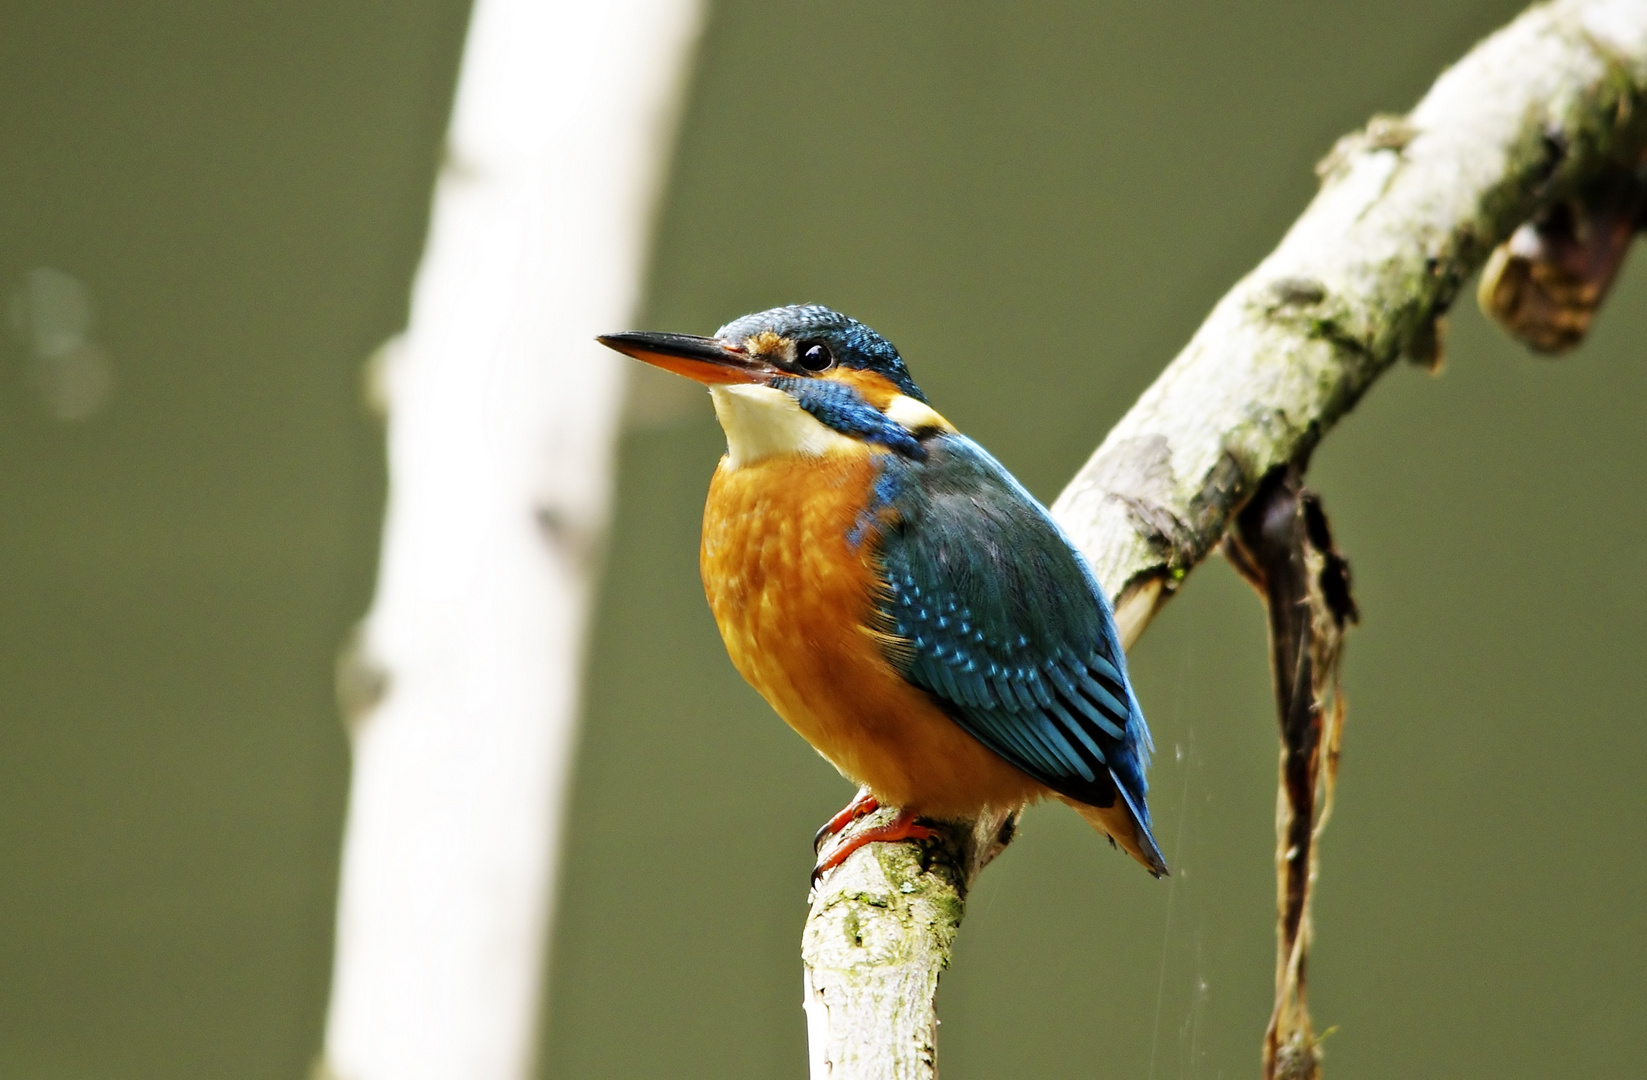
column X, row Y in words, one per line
column 1408, row 209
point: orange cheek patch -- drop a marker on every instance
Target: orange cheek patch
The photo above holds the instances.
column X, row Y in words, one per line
column 875, row 388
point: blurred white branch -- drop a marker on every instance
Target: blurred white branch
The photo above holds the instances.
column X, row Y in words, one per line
column 502, row 412
column 1408, row 209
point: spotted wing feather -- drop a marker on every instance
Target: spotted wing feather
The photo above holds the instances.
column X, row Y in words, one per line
column 989, row 608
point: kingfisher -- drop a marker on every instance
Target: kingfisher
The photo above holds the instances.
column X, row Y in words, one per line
column 897, row 596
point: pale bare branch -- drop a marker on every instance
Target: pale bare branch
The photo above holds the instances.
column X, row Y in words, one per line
column 502, row 413
column 1408, row 209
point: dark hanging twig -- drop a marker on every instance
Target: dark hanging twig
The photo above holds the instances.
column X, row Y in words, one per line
column 1282, row 545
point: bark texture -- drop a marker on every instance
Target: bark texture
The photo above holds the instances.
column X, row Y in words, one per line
column 1408, row 209
column 877, row 937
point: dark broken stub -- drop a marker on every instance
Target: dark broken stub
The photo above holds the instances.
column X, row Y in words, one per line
column 1545, row 283
column 1282, row 545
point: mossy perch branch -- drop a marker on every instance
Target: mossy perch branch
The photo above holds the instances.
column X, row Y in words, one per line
column 1408, row 209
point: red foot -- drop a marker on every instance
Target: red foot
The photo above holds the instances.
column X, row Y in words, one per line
column 902, row 827
column 862, row 803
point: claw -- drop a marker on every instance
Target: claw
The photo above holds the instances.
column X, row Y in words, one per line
column 863, row 803
column 903, row 827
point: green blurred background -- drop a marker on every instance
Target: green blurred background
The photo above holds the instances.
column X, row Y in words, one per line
column 209, row 216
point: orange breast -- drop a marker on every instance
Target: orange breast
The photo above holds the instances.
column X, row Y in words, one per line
column 794, row 599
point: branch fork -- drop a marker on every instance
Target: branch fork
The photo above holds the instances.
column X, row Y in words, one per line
column 1551, row 109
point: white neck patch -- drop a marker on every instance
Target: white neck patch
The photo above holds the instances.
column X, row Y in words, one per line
column 761, row 422
column 913, row 416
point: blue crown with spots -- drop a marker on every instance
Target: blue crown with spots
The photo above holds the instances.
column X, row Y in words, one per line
column 854, row 344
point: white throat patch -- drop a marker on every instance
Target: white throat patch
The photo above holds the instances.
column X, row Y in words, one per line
column 761, row 422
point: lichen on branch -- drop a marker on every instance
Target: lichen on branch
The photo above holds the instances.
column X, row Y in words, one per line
column 1408, row 209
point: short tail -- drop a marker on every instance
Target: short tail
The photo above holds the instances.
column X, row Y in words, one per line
column 1128, row 827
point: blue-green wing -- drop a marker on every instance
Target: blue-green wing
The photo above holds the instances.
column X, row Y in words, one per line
column 991, row 610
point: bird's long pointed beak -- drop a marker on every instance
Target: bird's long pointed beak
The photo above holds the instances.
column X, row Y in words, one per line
column 708, row 360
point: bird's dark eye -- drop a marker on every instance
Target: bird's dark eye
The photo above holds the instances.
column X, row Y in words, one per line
column 817, row 357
